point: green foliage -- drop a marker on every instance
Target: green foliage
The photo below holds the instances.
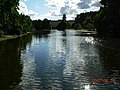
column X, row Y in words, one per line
column 68, row 25
column 39, row 25
column 63, row 24
column 10, row 19
column 46, row 24
column 78, row 26
column 108, row 18
column 85, row 21
column 25, row 24
column 1, row 33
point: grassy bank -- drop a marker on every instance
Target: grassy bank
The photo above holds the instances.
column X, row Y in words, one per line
column 8, row 37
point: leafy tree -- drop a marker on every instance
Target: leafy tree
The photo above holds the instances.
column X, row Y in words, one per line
column 85, row 21
column 40, row 25
column 10, row 20
column 46, row 24
column 77, row 26
column 108, row 18
column 37, row 24
column 63, row 24
column 64, row 18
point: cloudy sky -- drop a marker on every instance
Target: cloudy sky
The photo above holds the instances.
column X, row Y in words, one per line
column 54, row 9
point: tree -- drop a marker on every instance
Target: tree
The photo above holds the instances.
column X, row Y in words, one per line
column 46, row 24
column 37, row 24
column 108, row 18
column 63, row 24
column 85, row 21
column 10, row 20
column 64, row 18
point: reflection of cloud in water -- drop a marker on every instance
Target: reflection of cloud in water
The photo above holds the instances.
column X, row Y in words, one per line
column 28, row 72
column 57, row 51
column 57, row 46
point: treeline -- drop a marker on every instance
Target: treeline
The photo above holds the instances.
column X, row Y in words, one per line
column 11, row 22
column 39, row 24
column 46, row 24
column 63, row 24
column 85, row 21
column 106, row 21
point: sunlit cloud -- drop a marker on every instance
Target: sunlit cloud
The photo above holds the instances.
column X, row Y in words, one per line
column 55, row 8
column 72, row 7
column 24, row 10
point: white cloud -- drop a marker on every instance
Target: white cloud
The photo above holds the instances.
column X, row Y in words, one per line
column 24, row 10
column 59, row 7
column 72, row 7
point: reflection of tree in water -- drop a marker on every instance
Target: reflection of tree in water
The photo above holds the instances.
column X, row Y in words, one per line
column 10, row 64
column 109, row 52
column 23, row 41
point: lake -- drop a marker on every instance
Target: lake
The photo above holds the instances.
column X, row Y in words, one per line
column 60, row 60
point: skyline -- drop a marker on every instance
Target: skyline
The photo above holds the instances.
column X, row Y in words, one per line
column 54, row 9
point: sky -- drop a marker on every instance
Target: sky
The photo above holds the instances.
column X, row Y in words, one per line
column 54, row 9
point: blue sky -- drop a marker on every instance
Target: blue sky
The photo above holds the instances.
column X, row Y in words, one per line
column 37, row 6
column 54, row 9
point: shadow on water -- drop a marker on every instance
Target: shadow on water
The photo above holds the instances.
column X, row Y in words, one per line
column 10, row 63
column 109, row 53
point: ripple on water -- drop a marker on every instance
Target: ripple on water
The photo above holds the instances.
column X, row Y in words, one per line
column 60, row 62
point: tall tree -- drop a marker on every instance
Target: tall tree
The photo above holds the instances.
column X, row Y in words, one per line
column 63, row 24
column 10, row 20
column 64, row 18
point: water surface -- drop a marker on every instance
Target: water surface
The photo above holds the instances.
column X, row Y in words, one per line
column 61, row 60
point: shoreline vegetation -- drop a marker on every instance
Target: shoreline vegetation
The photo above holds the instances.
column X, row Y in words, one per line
column 9, row 37
column 12, row 23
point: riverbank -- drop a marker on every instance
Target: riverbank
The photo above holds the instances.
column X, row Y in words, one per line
column 8, row 37
column 84, row 32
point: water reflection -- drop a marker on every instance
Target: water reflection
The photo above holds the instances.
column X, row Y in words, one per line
column 10, row 64
column 9, row 60
column 110, row 56
column 66, row 62
column 62, row 61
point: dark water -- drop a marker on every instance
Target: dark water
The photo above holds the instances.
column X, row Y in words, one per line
column 60, row 61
